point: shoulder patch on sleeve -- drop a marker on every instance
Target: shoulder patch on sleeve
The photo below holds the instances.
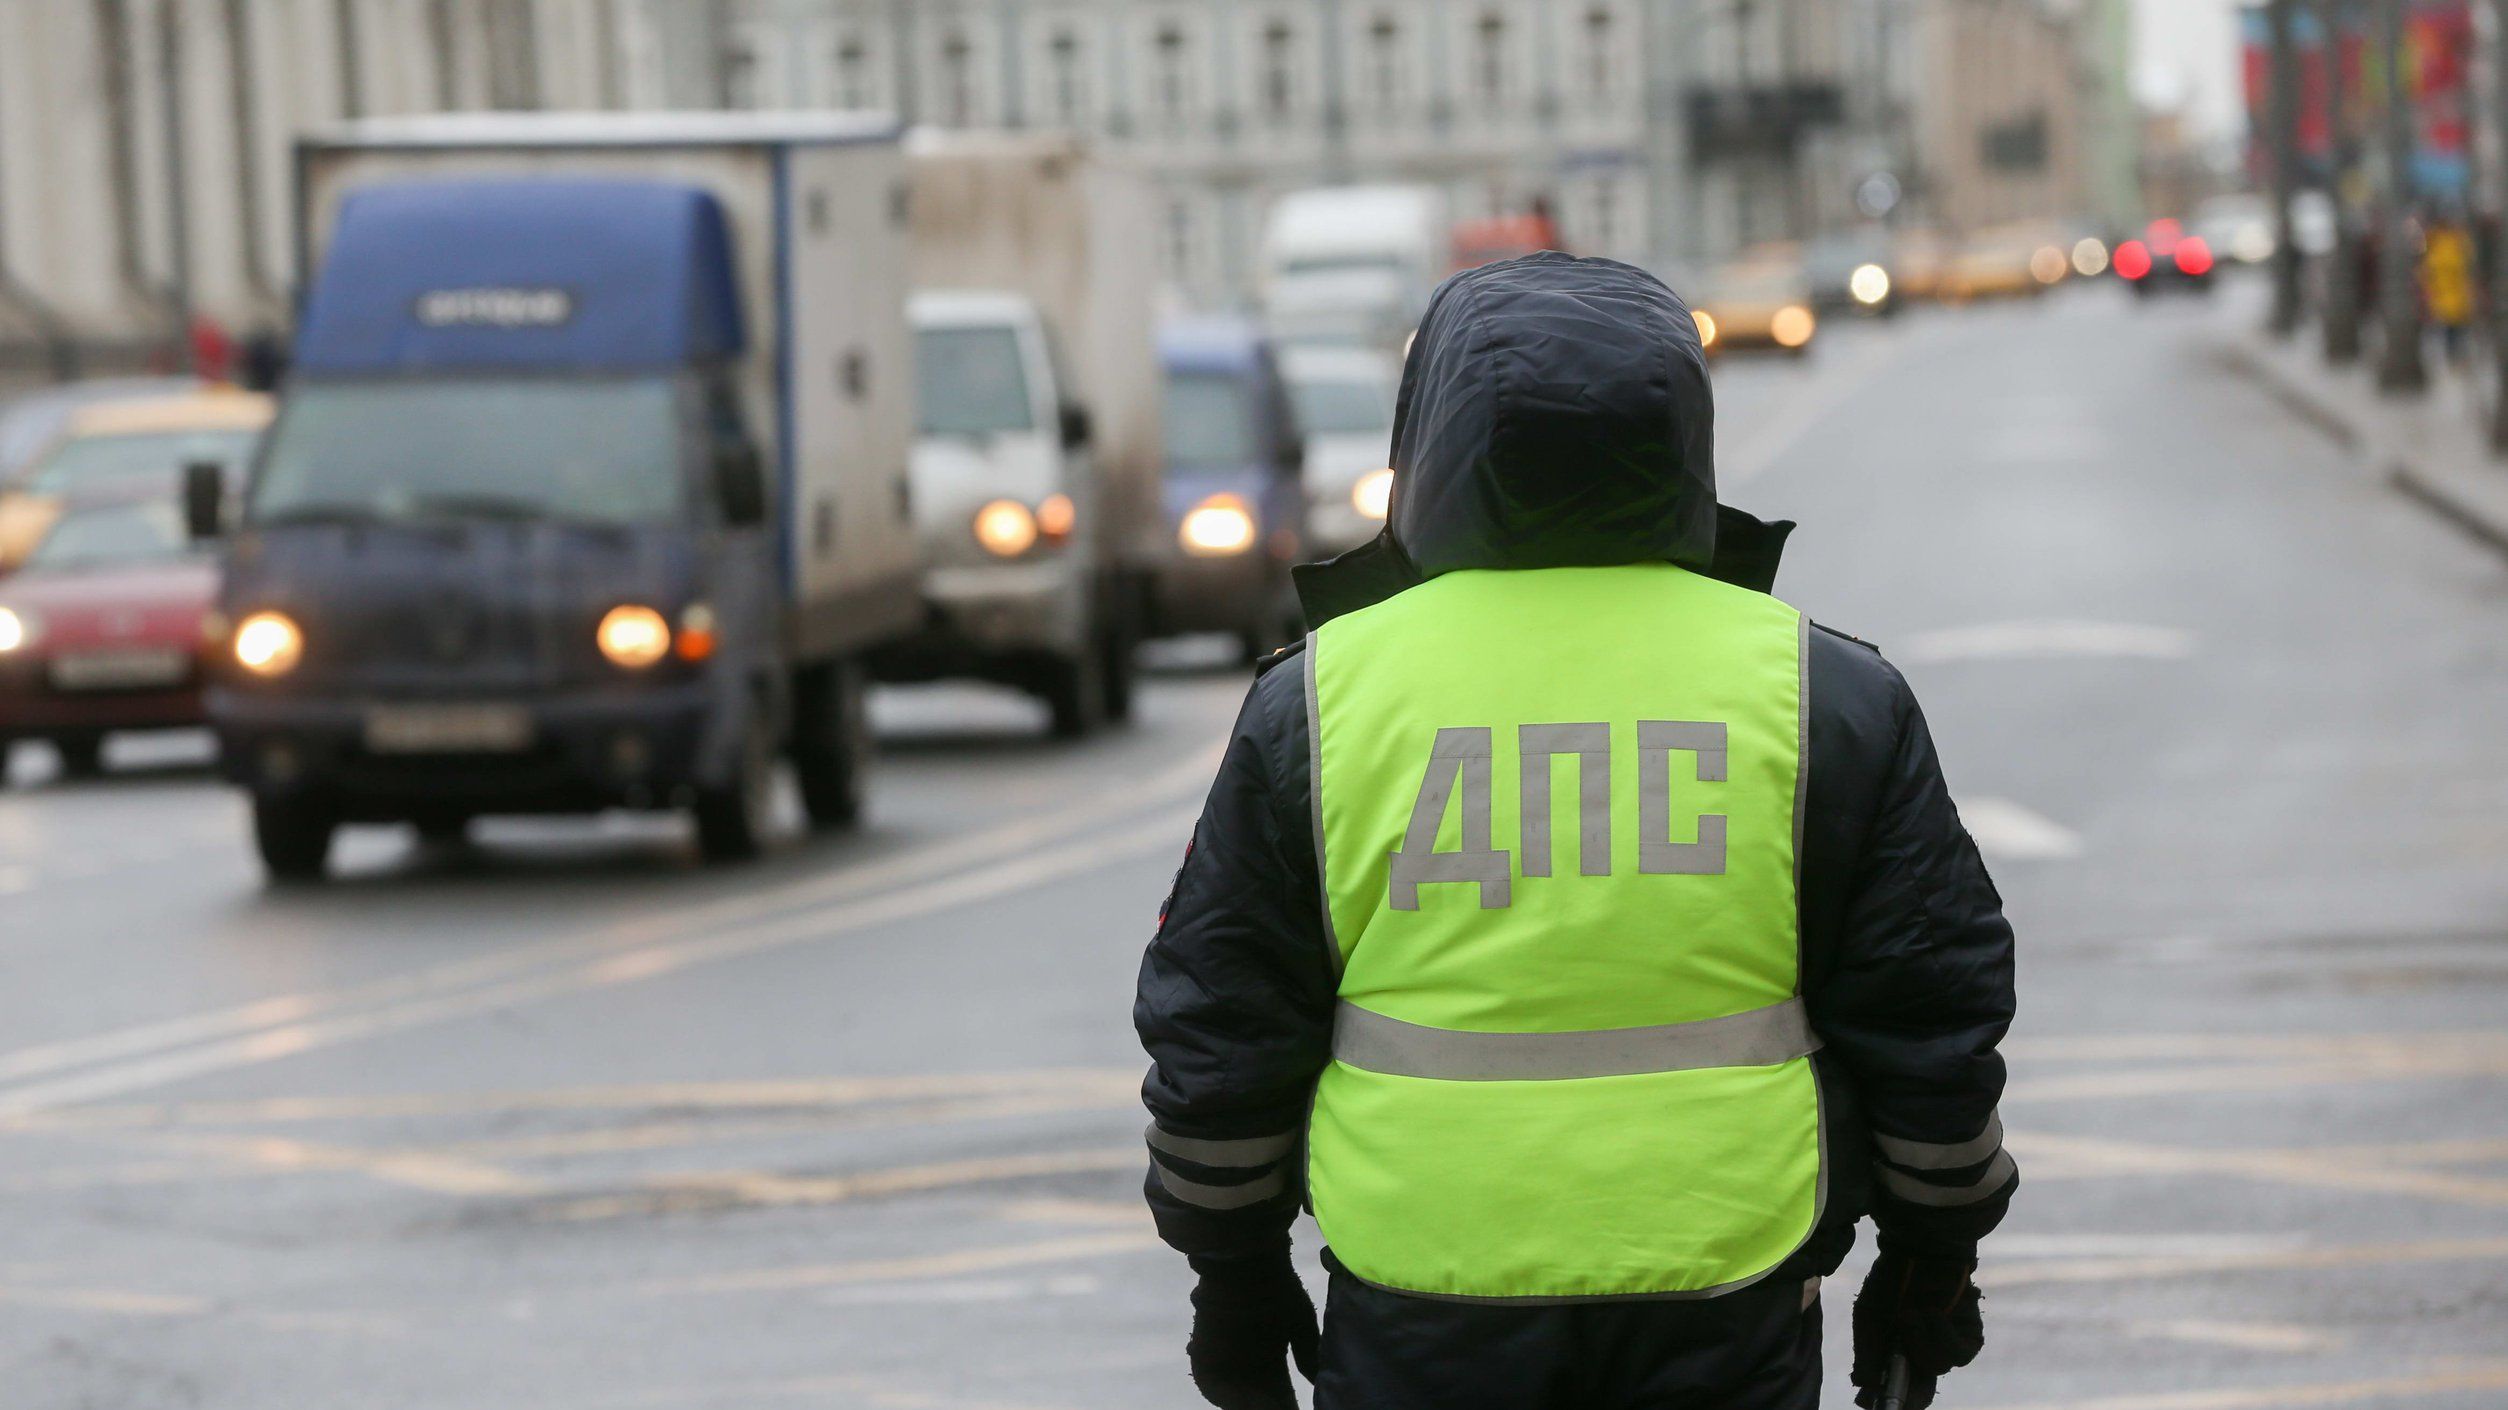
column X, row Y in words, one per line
column 1848, row 636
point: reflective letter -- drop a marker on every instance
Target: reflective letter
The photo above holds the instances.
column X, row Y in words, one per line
column 1657, row 853
column 1591, row 744
column 1464, row 754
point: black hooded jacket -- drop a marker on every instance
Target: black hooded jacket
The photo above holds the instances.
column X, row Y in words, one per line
column 1556, row 412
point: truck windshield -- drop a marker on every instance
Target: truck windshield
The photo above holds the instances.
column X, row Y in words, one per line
column 1210, row 425
column 595, row 451
column 1341, row 406
column 971, row 382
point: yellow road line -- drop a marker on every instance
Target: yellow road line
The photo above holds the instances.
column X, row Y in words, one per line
column 2081, row 1157
column 2484, row 1376
column 719, row 1189
column 2367, row 1066
column 939, row 1265
column 111, row 1302
column 2243, row 1336
column 2129, row 1047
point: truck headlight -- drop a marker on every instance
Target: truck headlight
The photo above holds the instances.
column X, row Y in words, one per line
column 1792, row 326
column 1373, row 494
column 1217, row 527
column 17, row 629
column 268, row 644
column 1006, row 528
column 633, row 636
column 1870, row 284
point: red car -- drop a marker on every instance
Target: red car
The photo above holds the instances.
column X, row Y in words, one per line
column 103, row 629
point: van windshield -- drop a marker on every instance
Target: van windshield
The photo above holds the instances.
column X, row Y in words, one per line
column 970, row 382
column 593, row 451
column 1210, row 425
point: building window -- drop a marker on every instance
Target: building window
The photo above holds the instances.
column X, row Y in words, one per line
column 1384, row 63
column 1279, row 82
column 1063, row 55
column 1489, row 57
column 1599, row 68
column 957, row 79
column 853, row 73
column 1171, row 84
column 1180, row 241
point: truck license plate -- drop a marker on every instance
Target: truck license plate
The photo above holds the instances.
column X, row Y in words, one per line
column 119, row 670
column 448, row 729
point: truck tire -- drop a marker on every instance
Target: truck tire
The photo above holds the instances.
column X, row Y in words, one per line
column 293, row 836
column 831, row 743
column 1075, row 693
column 732, row 819
column 1118, row 645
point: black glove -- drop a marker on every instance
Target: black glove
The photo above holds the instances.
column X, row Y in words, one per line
column 1250, row 1317
column 1922, row 1307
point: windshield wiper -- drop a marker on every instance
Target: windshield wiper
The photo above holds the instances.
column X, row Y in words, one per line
column 479, row 505
column 352, row 514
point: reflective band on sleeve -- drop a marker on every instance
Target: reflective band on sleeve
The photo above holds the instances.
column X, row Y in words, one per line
column 1243, row 1154
column 1756, row 1038
column 1956, row 1155
column 1915, row 1191
column 1194, row 1192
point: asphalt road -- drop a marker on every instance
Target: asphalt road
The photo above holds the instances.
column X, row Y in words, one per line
column 565, row 1121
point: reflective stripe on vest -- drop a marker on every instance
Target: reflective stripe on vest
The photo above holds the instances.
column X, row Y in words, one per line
column 1557, row 820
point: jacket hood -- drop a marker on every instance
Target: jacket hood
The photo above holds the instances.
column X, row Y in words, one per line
column 1554, row 413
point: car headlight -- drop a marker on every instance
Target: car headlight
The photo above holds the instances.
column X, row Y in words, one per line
column 1792, row 327
column 2090, row 257
column 633, row 636
column 2047, row 265
column 1706, row 326
column 17, row 629
column 1217, row 527
column 1006, row 528
column 1870, row 284
column 268, row 644
column 1373, row 494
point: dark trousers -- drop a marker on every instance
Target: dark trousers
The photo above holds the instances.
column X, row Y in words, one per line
column 1757, row 1349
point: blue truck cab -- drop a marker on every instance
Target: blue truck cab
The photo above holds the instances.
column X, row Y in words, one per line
column 548, row 521
column 1235, row 499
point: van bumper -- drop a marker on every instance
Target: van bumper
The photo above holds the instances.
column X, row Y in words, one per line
column 582, row 753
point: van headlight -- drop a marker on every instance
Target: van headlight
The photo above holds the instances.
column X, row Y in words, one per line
column 1870, row 284
column 1373, row 494
column 1792, row 327
column 17, row 630
column 1217, row 527
column 1006, row 528
column 633, row 635
column 268, row 644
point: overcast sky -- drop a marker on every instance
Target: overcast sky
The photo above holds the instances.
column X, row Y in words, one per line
column 2186, row 51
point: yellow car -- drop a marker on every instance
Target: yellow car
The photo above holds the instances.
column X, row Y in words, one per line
column 1756, row 303
column 2008, row 261
column 119, row 444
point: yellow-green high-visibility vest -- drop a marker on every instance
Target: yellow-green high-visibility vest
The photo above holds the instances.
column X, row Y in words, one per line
column 1558, row 814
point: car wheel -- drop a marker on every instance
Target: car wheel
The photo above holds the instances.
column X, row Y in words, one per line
column 732, row 819
column 831, row 743
column 1075, row 691
column 1117, row 645
column 293, row 836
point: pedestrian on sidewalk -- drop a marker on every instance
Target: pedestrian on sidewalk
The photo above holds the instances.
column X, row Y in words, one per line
column 2447, row 283
column 1585, row 1099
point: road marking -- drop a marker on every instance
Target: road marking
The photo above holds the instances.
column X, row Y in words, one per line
column 113, row 1302
column 1992, row 1274
column 1795, row 419
column 733, row 1189
column 2346, row 1047
column 2007, row 831
column 2253, row 1077
column 886, row 908
column 939, row 1265
column 434, row 1172
column 2051, row 641
column 2483, row 1376
column 2087, row 1158
column 2284, row 1337
column 918, row 864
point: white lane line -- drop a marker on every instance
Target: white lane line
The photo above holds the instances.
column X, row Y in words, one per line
column 1789, row 423
column 2007, row 831
column 621, row 966
column 2052, row 641
column 1187, row 778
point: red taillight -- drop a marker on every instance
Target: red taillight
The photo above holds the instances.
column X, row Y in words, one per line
column 2194, row 257
column 2133, row 259
column 2165, row 232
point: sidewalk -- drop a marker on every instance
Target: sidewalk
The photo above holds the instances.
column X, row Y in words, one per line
column 2430, row 447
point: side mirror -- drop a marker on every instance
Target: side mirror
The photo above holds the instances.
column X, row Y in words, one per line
column 1078, row 429
column 204, row 499
column 740, row 484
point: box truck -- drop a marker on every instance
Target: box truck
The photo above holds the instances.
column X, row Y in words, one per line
column 1036, row 464
column 589, row 483
column 1353, row 264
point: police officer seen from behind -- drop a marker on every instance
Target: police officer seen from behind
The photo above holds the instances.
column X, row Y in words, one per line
column 1586, row 938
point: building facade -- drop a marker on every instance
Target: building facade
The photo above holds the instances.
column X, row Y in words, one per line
column 145, row 167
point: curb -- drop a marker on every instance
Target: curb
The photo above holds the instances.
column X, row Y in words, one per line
column 2471, row 503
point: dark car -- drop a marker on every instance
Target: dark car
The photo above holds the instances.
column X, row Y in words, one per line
column 2167, row 258
column 1235, row 496
column 103, row 629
